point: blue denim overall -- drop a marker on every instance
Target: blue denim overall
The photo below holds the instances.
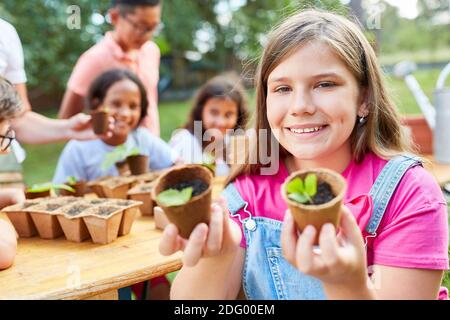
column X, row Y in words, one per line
column 266, row 274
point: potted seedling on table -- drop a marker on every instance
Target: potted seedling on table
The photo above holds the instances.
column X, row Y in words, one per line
column 100, row 121
column 79, row 187
column 45, row 190
column 314, row 197
column 184, row 193
column 137, row 161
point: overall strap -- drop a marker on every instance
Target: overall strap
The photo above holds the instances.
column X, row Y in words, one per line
column 235, row 202
column 385, row 185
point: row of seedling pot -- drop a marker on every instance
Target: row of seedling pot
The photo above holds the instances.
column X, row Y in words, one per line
column 78, row 219
column 314, row 197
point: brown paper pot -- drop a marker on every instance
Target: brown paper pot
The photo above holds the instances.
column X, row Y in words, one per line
column 74, row 229
column 123, row 168
column 198, row 209
column 72, row 222
column 131, row 211
column 143, row 193
column 35, row 195
column 104, row 229
column 47, row 225
column 45, row 219
column 317, row 215
column 21, row 219
column 23, row 223
column 100, row 122
column 138, row 164
column 80, row 189
column 119, row 192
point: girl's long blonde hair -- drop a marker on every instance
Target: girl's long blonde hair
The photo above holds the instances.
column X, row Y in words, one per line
column 383, row 133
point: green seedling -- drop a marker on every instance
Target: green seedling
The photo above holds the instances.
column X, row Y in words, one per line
column 120, row 153
column 303, row 191
column 72, row 180
column 209, row 162
column 173, row 197
column 48, row 187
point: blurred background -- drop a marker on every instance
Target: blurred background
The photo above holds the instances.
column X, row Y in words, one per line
column 201, row 38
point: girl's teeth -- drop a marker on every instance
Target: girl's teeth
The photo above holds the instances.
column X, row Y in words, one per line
column 306, row 130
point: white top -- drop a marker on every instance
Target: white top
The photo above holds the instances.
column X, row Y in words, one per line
column 11, row 54
column 188, row 149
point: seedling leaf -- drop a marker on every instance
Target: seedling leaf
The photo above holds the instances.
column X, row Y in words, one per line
column 173, row 197
column 311, row 185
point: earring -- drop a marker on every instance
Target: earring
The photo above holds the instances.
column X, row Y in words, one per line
column 362, row 119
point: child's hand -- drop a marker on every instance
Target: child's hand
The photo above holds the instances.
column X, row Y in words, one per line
column 11, row 196
column 222, row 236
column 80, row 127
column 342, row 261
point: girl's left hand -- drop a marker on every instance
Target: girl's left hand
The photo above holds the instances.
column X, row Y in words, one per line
column 342, row 258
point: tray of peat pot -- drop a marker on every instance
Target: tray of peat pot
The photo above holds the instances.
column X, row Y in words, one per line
column 114, row 187
column 78, row 186
column 143, row 192
column 130, row 212
column 184, row 193
column 95, row 186
column 148, row 177
column 71, row 220
column 21, row 219
column 103, row 222
column 314, row 197
column 44, row 215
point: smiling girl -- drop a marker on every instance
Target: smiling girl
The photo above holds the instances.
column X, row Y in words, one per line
column 219, row 107
column 321, row 95
column 123, row 94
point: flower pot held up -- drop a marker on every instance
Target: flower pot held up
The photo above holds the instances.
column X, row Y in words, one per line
column 317, row 215
column 198, row 208
column 138, row 164
column 100, row 121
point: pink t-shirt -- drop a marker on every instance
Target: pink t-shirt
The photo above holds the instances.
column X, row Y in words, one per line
column 413, row 232
column 106, row 55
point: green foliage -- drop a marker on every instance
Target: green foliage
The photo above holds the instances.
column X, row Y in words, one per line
column 48, row 186
column 119, row 153
column 72, row 180
column 302, row 191
column 173, row 197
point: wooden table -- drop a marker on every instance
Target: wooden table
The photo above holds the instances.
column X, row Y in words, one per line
column 59, row 269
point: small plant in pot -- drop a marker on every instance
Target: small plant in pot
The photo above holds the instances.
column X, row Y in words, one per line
column 314, row 197
column 100, row 121
column 45, row 190
column 184, row 193
column 137, row 162
column 79, row 187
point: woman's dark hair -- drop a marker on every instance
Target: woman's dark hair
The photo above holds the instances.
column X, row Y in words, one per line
column 226, row 86
column 100, row 86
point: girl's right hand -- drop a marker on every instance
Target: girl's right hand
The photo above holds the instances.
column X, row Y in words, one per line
column 222, row 236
